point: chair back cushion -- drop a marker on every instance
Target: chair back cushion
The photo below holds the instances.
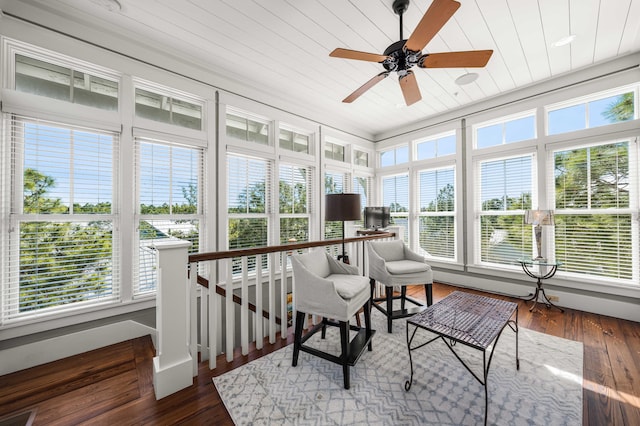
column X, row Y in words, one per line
column 316, row 262
column 398, row 267
column 389, row 250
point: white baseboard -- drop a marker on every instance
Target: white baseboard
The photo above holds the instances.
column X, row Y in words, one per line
column 37, row 353
column 597, row 303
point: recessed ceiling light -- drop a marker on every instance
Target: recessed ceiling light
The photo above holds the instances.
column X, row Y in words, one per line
column 467, row 78
column 110, row 5
column 565, row 40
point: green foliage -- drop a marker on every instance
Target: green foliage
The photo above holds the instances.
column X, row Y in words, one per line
column 621, row 109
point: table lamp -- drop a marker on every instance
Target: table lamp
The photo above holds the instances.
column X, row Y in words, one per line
column 342, row 207
column 537, row 218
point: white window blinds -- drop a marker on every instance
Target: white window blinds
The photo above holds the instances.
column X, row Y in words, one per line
column 62, row 247
column 295, row 196
column 395, row 194
column 594, row 230
column 437, row 201
column 249, row 203
column 169, row 180
column 504, row 189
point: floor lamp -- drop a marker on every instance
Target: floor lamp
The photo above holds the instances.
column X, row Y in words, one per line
column 342, row 207
column 537, row 218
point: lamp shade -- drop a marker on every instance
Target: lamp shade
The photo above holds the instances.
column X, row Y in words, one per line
column 539, row 217
column 342, row 207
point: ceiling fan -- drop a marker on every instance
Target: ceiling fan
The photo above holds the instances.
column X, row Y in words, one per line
column 402, row 55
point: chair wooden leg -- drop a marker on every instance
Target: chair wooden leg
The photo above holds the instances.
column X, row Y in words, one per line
column 428, row 289
column 367, row 321
column 344, row 342
column 323, row 333
column 297, row 337
column 403, row 296
column 389, row 295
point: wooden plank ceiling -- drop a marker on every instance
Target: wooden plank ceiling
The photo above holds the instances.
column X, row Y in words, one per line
column 283, row 46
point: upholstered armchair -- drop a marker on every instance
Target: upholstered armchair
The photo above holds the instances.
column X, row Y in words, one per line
column 395, row 265
column 336, row 292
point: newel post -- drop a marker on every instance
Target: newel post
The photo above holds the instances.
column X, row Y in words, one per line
column 173, row 365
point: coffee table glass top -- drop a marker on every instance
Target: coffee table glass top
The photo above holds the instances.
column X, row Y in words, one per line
column 468, row 318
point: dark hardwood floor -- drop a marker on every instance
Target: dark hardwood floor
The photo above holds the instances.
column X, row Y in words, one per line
column 114, row 385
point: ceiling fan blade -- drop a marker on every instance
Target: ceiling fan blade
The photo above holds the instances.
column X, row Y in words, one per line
column 434, row 18
column 467, row 59
column 368, row 85
column 355, row 54
column 410, row 89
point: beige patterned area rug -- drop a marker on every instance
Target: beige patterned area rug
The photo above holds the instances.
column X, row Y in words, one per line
column 547, row 390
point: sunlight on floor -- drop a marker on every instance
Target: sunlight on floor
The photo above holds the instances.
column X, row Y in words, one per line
column 596, row 387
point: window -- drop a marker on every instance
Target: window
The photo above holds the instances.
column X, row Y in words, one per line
column 505, row 132
column 438, row 147
column 362, row 186
column 598, row 112
column 168, row 109
column 248, row 201
column 594, row 228
column 394, row 156
column 360, row 158
column 504, row 188
column 169, row 201
column 333, row 151
column 437, row 212
column 247, row 129
column 294, row 141
column 62, row 252
column 395, row 195
column 295, row 195
column 65, row 83
column 334, row 183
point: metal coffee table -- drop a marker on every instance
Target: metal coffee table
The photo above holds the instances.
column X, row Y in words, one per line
column 469, row 319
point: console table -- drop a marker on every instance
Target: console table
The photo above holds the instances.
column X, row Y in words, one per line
column 472, row 320
column 539, row 270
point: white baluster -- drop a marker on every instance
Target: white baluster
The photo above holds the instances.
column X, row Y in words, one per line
column 258, row 316
column 244, row 308
column 230, row 311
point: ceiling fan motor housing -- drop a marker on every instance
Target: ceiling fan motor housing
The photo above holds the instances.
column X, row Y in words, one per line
column 400, row 59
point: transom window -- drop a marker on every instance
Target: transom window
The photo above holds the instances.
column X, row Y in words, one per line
column 510, row 130
column 168, row 109
column 250, row 129
column 394, row 156
column 65, row 83
column 436, row 147
column 292, row 140
column 360, row 158
column 333, row 151
column 600, row 111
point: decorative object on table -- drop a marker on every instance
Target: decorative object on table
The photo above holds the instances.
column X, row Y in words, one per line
column 393, row 264
column 539, row 269
column 537, row 218
column 342, row 207
column 335, row 291
column 547, row 390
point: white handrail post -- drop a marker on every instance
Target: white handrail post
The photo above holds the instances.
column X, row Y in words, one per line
column 172, row 367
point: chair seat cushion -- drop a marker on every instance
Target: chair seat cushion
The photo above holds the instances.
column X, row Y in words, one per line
column 349, row 286
column 399, row 267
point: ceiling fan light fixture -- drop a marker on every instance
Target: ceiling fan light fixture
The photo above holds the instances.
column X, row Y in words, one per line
column 564, row 40
column 467, row 78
